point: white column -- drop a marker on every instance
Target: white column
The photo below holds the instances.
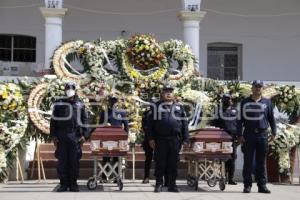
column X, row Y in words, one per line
column 191, row 29
column 53, row 31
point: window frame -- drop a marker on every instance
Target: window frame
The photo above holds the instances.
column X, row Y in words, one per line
column 12, row 49
column 227, row 45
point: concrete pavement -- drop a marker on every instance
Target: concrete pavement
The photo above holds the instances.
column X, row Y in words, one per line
column 31, row 190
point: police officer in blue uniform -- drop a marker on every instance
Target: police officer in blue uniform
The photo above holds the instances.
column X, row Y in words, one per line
column 146, row 146
column 256, row 116
column 69, row 131
column 227, row 120
column 114, row 117
column 168, row 129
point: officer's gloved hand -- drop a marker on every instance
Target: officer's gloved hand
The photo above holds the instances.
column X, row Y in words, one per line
column 185, row 145
column 82, row 140
column 152, row 144
column 271, row 137
column 55, row 141
column 241, row 139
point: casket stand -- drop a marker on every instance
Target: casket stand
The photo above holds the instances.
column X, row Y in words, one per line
column 108, row 141
column 206, row 156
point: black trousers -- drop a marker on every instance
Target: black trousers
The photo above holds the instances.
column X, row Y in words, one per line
column 166, row 159
column 230, row 164
column 255, row 144
column 69, row 154
column 148, row 158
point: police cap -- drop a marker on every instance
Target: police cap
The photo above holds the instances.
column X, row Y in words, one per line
column 258, row 83
column 168, row 87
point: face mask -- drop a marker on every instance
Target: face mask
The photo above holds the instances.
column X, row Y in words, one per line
column 70, row 93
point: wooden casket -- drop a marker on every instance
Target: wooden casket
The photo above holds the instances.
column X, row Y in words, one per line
column 109, row 141
column 210, row 143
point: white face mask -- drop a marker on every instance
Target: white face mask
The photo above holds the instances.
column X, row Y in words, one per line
column 70, row 93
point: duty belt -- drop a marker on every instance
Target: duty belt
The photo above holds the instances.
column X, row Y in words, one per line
column 259, row 130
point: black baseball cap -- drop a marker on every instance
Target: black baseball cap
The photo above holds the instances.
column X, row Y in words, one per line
column 226, row 97
column 258, row 83
column 168, row 87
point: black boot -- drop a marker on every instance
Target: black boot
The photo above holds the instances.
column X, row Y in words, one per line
column 158, row 188
column 172, row 184
column 263, row 189
column 166, row 181
column 173, row 189
column 62, row 188
column 74, row 188
column 145, row 181
column 232, row 182
column 247, row 189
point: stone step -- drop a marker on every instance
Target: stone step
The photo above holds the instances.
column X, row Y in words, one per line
column 89, row 164
column 86, row 155
column 85, row 173
column 86, row 163
column 47, row 152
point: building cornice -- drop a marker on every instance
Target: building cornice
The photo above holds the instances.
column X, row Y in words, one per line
column 53, row 12
column 191, row 15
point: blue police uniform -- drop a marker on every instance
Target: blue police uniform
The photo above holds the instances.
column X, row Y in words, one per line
column 115, row 118
column 147, row 149
column 67, row 129
column 227, row 120
column 256, row 117
column 168, row 127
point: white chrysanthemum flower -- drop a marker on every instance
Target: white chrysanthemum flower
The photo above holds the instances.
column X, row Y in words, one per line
column 132, row 137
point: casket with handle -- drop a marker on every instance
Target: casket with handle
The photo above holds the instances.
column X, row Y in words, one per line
column 109, row 141
column 210, row 143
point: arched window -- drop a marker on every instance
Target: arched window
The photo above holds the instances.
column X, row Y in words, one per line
column 224, row 61
column 17, row 48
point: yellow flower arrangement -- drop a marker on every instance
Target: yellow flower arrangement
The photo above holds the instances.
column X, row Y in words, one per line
column 144, row 52
column 136, row 76
column 11, row 99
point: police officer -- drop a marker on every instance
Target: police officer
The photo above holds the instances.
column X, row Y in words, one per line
column 68, row 131
column 256, row 116
column 114, row 117
column 168, row 128
column 146, row 147
column 227, row 120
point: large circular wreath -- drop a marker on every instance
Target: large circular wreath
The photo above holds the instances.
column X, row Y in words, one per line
column 140, row 51
column 178, row 51
column 34, row 101
column 92, row 56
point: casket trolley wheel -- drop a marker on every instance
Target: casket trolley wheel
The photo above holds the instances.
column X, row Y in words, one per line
column 222, row 184
column 191, row 181
column 120, row 184
column 212, row 182
column 92, row 183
